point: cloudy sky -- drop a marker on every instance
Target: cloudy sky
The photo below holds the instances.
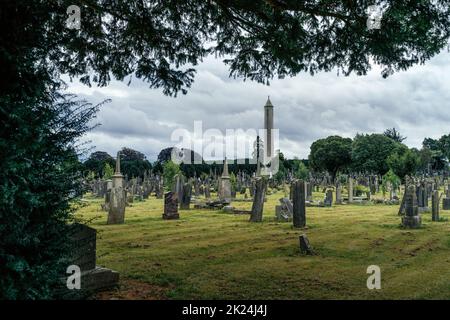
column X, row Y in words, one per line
column 306, row 108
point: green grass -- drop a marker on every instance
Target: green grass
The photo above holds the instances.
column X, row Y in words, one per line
column 213, row 255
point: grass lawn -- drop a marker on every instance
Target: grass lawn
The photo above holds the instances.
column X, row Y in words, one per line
column 214, row 255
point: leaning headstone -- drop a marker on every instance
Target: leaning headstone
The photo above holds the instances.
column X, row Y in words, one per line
column 170, row 206
column 411, row 219
column 283, row 212
column 435, row 206
column 93, row 278
column 299, row 206
column 305, row 247
column 258, row 200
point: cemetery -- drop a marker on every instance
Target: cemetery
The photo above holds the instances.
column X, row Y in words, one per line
column 224, row 150
column 308, row 233
column 205, row 254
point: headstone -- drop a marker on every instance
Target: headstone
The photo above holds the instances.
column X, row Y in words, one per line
column 411, row 219
column 305, row 247
column 299, row 207
column 185, row 200
column 446, row 200
column 435, row 206
column 338, row 194
column 258, row 200
column 83, row 254
column 170, row 206
column 118, row 201
column 328, row 202
column 225, row 184
column 283, row 212
column 350, row 189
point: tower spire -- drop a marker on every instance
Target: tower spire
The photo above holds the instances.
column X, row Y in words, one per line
column 118, row 163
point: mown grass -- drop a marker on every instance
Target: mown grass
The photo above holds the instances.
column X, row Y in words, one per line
column 214, row 255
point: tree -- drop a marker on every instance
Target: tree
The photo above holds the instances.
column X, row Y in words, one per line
column 432, row 154
column 403, row 164
column 331, row 154
column 370, row 152
column 155, row 40
column 108, row 171
column 40, row 177
column 170, row 171
column 394, row 135
column 390, row 178
column 444, row 145
column 97, row 162
column 133, row 163
column 302, row 172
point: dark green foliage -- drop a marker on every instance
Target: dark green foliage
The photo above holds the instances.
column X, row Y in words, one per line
column 133, row 163
column 331, row 154
column 39, row 177
column 435, row 153
column 161, row 41
column 404, row 164
column 370, row 152
column 96, row 163
column 394, row 135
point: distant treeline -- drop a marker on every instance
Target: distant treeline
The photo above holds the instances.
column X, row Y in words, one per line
column 369, row 153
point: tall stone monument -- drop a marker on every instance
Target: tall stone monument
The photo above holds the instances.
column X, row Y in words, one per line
column 268, row 127
column 116, row 213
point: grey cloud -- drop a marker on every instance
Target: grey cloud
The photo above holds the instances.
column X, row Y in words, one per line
column 306, row 108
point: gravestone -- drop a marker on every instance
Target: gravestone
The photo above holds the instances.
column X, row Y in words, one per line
column 308, row 191
column 411, row 219
column 118, row 201
column 446, row 200
column 258, row 200
column 328, row 202
column 225, row 184
column 93, row 278
column 207, row 191
column 170, row 206
column 350, row 189
column 338, row 194
column 435, row 206
column 186, row 195
column 299, row 207
column 283, row 212
column 305, row 247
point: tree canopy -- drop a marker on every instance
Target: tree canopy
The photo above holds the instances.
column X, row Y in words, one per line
column 331, row 154
column 161, row 41
column 371, row 151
